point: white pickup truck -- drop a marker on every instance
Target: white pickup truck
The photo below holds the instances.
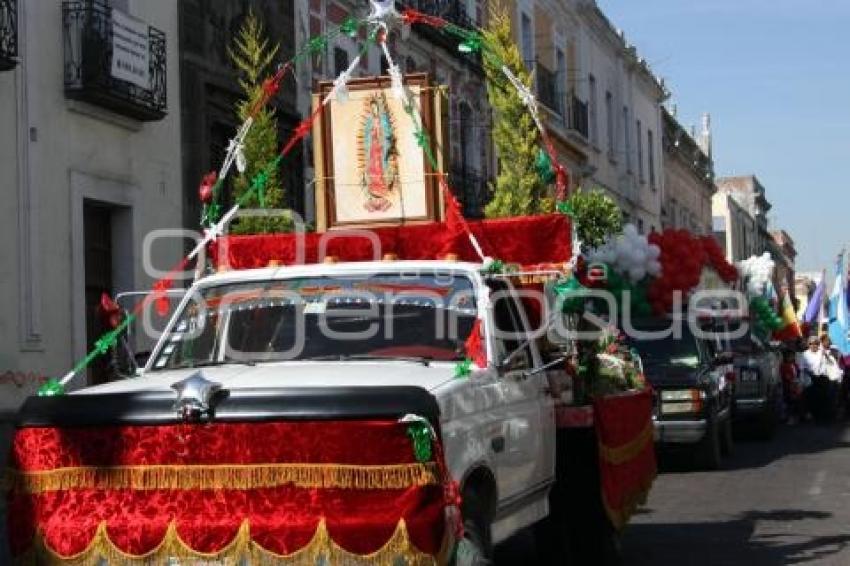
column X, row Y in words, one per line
column 376, row 326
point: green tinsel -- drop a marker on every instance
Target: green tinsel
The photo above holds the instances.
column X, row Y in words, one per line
column 51, row 388
column 420, row 434
column 463, row 369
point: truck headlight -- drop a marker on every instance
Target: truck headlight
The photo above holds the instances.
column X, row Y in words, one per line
column 684, row 401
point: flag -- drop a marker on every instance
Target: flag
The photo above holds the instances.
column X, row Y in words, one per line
column 791, row 330
column 816, row 302
column 839, row 318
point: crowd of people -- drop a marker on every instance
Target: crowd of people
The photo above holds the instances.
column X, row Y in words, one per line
column 816, row 381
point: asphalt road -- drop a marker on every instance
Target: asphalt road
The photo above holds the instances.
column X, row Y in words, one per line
column 776, row 503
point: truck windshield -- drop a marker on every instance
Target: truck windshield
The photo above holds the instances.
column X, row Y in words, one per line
column 686, row 351
column 391, row 316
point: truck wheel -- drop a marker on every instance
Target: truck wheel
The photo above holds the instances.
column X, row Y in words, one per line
column 727, row 442
column 475, row 549
column 708, row 451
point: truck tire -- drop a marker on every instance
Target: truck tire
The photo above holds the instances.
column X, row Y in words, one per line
column 475, row 549
column 708, row 451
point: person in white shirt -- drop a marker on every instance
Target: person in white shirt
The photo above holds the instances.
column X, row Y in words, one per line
column 821, row 365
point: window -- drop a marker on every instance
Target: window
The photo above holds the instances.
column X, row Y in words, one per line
column 561, row 78
column 719, row 223
column 650, row 152
column 340, row 60
column 527, row 41
column 510, row 331
column 592, row 113
column 609, row 118
column 627, row 138
column 639, row 135
column 640, row 226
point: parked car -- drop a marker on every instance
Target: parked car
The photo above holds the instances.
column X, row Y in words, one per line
column 693, row 392
column 758, row 385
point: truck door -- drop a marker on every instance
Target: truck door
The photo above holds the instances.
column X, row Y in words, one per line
column 523, row 445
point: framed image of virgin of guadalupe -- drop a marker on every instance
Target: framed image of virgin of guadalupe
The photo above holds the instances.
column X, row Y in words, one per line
column 370, row 168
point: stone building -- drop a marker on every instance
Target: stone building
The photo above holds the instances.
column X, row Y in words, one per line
column 750, row 194
column 90, row 162
column 625, row 125
column 784, row 254
column 469, row 155
column 688, row 177
column 736, row 231
column 210, row 91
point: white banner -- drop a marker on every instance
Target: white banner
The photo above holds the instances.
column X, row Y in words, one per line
column 130, row 50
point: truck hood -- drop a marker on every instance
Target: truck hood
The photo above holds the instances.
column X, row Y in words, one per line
column 293, row 374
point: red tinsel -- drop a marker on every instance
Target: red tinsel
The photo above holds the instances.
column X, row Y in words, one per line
column 205, row 191
column 109, row 311
column 411, row 16
column 475, row 350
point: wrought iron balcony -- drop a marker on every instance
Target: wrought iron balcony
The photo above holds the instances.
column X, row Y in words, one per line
column 8, row 34
column 88, row 40
column 578, row 118
column 453, row 12
column 471, row 189
column 547, row 88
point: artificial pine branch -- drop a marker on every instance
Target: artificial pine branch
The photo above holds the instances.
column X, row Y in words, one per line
column 252, row 56
column 519, row 190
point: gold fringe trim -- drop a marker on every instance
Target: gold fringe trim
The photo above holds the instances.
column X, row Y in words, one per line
column 399, row 549
column 630, row 450
column 236, row 477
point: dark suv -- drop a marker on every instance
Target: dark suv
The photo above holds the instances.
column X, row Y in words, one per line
column 758, row 387
column 693, row 393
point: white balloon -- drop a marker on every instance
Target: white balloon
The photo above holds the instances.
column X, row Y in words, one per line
column 630, row 230
column 654, row 268
column 636, row 274
column 653, row 251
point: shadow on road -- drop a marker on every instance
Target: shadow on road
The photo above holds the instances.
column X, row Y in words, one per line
column 750, row 452
column 732, row 543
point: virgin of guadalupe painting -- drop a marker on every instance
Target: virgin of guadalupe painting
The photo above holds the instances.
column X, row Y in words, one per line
column 371, row 166
column 379, row 174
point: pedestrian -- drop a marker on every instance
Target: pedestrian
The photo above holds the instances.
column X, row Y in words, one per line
column 792, row 387
column 816, row 365
column 834, row 368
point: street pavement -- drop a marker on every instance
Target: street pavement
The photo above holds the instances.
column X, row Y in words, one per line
column 782, row 502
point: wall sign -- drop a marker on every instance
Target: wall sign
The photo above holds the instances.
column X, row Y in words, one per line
column 130, row 50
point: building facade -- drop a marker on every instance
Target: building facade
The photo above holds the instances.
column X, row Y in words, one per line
column 90, row 160
column 751, row 195
column 785, row 255
column 625, row 124
column 469, row 157
column 688, row 177
column 210, row 91
column 736, row 231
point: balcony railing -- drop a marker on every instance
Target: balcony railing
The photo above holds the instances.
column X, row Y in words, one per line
column 547, row 88
column 472, row 190
column 88, row 39
column 453, row 12
column 578, row 118
column 8, row 34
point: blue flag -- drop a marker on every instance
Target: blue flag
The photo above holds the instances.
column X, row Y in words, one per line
column 839, row 316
